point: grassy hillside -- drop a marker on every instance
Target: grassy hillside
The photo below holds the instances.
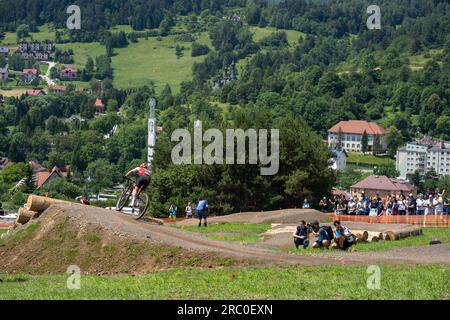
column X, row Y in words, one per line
column 153, row 60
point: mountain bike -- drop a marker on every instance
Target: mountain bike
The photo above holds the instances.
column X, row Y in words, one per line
column 140, row 204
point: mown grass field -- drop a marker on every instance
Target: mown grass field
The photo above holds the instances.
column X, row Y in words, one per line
column 82, row 50
column 293, row 36
column 297, row 283
column 153, row 60
column 443, row 234
column 368, row 159
column 243, row 233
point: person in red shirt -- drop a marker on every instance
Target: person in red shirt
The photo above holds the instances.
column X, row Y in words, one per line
column 142, row 181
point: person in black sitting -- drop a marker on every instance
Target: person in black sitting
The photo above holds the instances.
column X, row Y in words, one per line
column 301, row 235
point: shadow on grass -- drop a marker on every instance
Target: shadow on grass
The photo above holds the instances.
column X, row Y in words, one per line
column 13, row 280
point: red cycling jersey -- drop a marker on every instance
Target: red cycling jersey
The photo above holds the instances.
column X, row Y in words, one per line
column 141, row 171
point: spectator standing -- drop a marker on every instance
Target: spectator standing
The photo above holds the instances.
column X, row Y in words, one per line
column 335, row 204
column 402, row 204
column 374, row 207
column 395, row 207
column 341, row 208
column 188, row 211
column 446, row 205
column 306, row 204
column 390, row 206
column 351, row 206
column 202, row 212
column 301, row 235
column 323, row 204
column 173, row 213
column 429, row 209
column 420, row 205
column 438, row 204
column 411, row 205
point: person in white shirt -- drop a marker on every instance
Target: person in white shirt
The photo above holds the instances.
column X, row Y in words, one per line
column 438, row 204
column 188, row 211
column 351, row 206
column 429, row 210
column 420, row 205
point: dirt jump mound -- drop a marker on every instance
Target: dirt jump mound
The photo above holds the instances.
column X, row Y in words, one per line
column 287, row 216
column 76, row 235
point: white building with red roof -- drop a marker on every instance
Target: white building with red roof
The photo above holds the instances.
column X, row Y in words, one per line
column 69, row 73
column 351, row 133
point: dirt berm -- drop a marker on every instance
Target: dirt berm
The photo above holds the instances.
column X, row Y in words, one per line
column 105, row 242
column 286, row 216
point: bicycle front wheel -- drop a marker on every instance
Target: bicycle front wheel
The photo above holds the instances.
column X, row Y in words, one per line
column 141, row 206
column 123, row 198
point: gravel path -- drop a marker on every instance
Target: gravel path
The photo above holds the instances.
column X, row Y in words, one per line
column 125, row 226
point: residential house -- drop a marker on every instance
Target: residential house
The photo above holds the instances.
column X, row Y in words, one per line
column 338, row 159
column 422, row 155
column 350, row 134
column 28, row 75
column 43, row 177
column 69, row 73
column 36, row 166
column 57, row 89
column 99, row 106
column 382, row 186
column 4, row 74
column 35, row 92
column 4, row 51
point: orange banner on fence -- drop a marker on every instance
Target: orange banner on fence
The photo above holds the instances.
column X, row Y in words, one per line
column 425, row 221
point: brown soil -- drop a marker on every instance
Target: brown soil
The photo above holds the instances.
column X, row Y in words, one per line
column 102, row 241
column 287, row 216
column 57, row 240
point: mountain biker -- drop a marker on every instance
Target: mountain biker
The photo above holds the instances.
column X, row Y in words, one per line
column 142, row 181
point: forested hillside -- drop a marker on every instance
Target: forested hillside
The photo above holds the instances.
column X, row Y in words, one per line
column 336, row 69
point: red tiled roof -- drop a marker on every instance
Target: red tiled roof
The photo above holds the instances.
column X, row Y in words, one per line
column 383, row 183
column 36, row 166
column 69, row 69
column 33, row 71
column 58, row 88
column 357, row 127
column 33, row 92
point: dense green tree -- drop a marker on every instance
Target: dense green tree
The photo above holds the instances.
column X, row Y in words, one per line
column 394, row 140
column 101, row 174
column 364, row 142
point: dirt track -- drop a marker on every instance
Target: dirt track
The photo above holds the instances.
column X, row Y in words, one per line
column 125, row 226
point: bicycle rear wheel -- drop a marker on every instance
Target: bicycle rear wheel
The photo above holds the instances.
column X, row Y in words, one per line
column 124, row 197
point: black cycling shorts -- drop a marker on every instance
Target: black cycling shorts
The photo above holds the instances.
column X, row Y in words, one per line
column 143, row 181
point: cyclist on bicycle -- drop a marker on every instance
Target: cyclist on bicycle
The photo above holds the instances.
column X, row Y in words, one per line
column 142, row 181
